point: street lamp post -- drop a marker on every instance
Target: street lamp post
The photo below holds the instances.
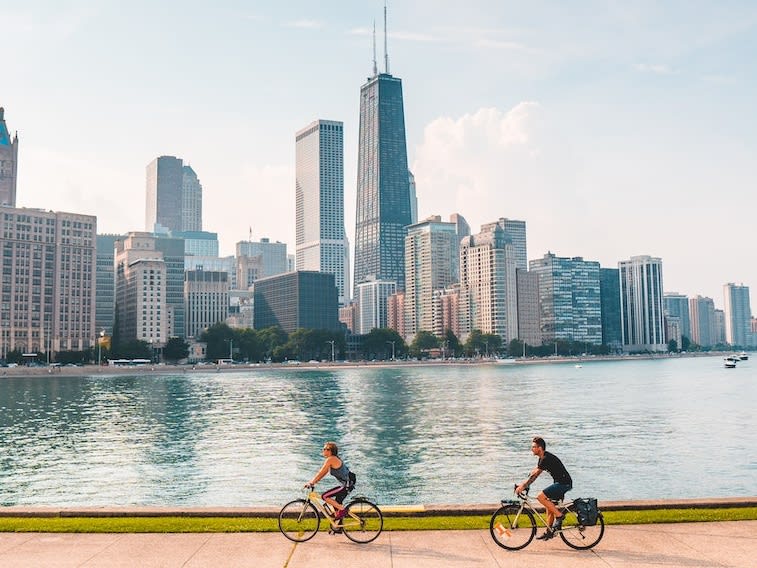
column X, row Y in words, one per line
column 332, row 341
column 100, row 348
column 392, row 344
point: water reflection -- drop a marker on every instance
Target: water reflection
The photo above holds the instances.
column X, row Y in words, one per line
column 412, row 434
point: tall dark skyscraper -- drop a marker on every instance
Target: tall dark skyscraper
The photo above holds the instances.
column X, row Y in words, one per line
column 8, row 164
column 383, row 182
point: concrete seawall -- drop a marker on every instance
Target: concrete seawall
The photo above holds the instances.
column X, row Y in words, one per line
column 387, row 510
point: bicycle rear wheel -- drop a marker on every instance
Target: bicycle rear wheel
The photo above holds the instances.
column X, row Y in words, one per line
column 512, row 528
column 578, row 536
column 363, row 521
column 299, row 520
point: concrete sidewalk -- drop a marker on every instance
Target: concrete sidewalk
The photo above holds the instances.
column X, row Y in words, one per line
column 732, row 544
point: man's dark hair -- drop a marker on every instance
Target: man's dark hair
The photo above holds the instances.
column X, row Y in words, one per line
column 540, row 442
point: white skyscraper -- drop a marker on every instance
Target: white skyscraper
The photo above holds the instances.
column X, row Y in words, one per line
column 488, row 284
column 431, row 264
column 321, row 241
column 641, row 304
column 372, row 304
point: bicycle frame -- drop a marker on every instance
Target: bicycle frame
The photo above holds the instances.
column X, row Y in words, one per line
column 527, row 502
column 316, row 499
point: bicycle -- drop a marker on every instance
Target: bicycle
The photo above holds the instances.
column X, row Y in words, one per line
column 513, row 525
column 299, row 520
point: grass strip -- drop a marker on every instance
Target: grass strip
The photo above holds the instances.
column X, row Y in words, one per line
column 249, row 524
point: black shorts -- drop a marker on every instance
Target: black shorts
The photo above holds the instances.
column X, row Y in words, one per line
column 337, row 493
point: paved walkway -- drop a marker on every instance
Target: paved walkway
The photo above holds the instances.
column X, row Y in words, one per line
column 724, row 544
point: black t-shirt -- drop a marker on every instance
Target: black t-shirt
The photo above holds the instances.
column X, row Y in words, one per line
column 552, row 464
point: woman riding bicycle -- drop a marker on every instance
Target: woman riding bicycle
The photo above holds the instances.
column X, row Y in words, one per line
column 336, row 467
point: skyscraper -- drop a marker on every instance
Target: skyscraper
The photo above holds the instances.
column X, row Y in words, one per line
column 677, row 305
column 174, row 196
column 738, row 315
column 191, row 201
column 8, row 163
column 321, row 241
column 488, row 284
column 383, row 182
column 48, row 287
column 431, row 264
column 569, row 299
column 702, row 321
column 641, row 305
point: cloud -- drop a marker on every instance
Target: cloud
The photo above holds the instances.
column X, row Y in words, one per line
column 499, row 44
column 493, row 163
column 305, row 24
column 657, row 69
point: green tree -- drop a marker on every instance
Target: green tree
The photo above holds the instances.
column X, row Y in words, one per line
column 176, row 348
column 453, row 347
column 685, row 343
column 135, row 349
column 672, row 346
column 423, row 342
column 378, row 343
column 516, row 348
column 218, row 339
column 271, row 338
column 483, row 344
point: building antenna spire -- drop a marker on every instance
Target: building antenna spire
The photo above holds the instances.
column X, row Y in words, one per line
column 386, row 51
column 375, row 67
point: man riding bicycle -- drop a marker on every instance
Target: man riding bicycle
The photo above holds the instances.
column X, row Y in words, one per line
column 562, row 483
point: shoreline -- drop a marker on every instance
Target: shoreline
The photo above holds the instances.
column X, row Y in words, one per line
column 165, row 369
column 435, row 510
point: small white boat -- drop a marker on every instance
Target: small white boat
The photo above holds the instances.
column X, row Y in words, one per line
column 509, row 361
column 743, row 356
column 730, row 362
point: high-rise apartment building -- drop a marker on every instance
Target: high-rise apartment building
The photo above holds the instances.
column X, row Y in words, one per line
column 488, row 284
column 431, row 264
column 206, row 297
column 383, row 183
column 198, row 243
column 48, row 281
column 516, row 231
column 702, row 321
column 191, row 200
column 372, row 298
column 609, row 294
column 529, row 329
column 677, row 305
column 105, row 302
column 570, row 308
column 321, row 241
column 738, row 315
column 641, row 304
column 8, row 163
column 174, row 197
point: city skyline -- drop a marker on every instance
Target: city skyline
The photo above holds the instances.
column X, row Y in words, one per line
column 628, row 136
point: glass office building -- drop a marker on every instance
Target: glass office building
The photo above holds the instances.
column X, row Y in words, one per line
column 383, row 183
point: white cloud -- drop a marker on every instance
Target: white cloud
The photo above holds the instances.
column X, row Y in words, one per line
column 305, row 24
column 657, row 69
column 492, row 164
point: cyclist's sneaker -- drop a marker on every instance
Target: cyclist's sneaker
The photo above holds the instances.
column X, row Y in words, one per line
column 546, row 535
column 336, row 530
column 557, row 524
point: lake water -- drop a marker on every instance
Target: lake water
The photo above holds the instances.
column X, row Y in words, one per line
column 669, row 428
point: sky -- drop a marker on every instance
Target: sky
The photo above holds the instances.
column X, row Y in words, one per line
column 612, row 128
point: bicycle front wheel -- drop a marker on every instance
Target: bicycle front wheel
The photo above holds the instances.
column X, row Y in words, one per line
column 363, row 521
column 578, row 536
column 299, row 520
column 512, row 528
